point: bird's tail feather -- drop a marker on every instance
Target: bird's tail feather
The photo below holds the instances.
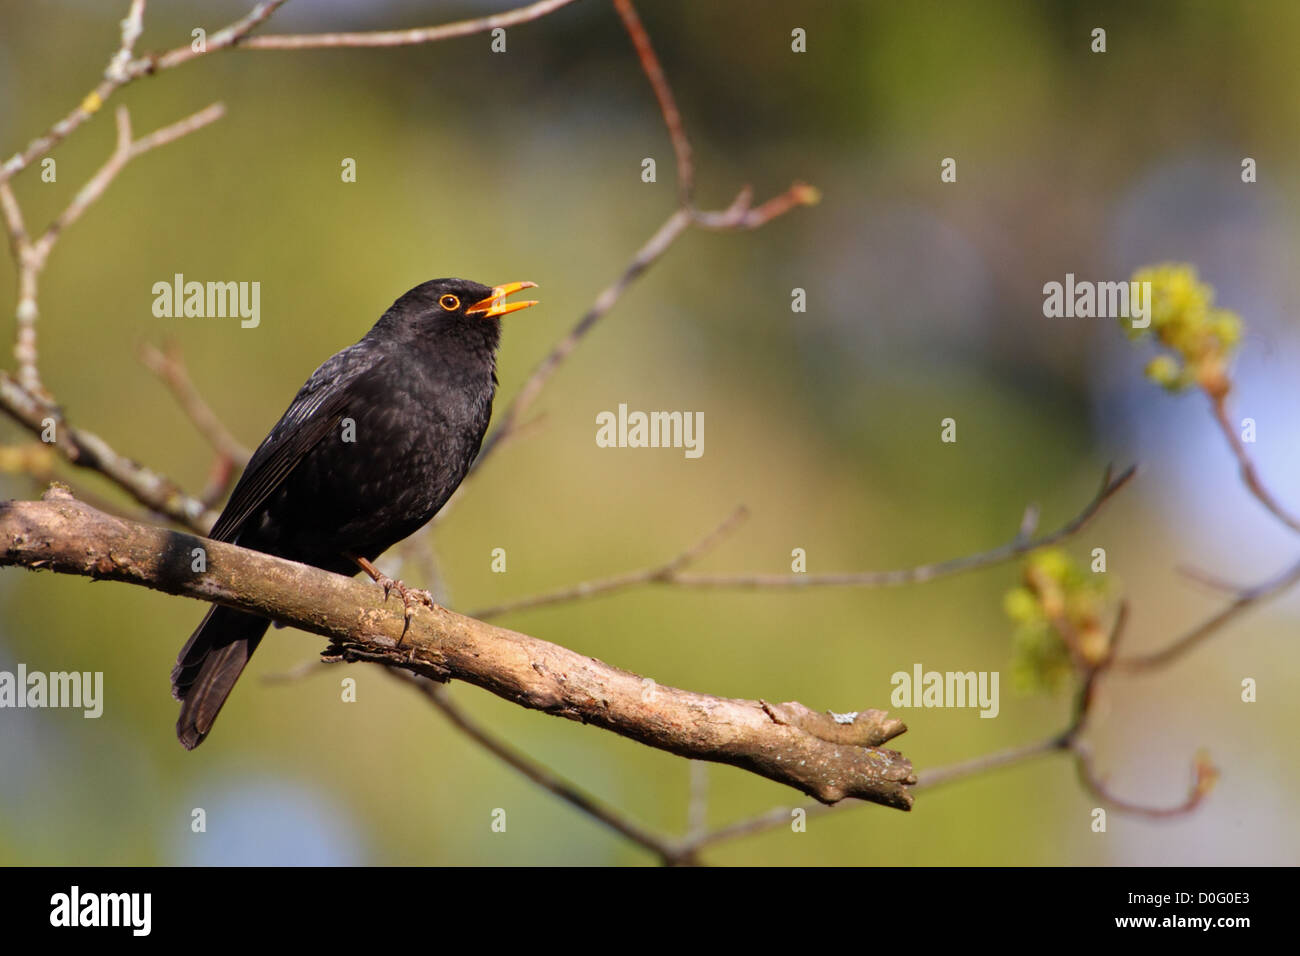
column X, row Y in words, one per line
column 208, row 666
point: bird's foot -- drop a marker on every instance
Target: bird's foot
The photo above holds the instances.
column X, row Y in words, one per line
column 410, row 596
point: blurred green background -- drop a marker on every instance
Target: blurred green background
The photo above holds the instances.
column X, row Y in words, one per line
column 924, row 301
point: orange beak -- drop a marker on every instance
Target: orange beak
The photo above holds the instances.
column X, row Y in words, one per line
column 496, row 305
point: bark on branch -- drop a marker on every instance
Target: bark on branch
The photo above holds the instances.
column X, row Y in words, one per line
column 827, row 756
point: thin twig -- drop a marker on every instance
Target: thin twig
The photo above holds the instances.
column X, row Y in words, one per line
column 673, row 572
column 662, row 573
column 36, row 461
column 420, row 550
column 665, row 848
column 1204, row 776
column 169, row 367
column 31, row 255
column 231, row 455
column 1244, row 601
column 655, row 247
column 769, row 820
column 738, row 216
column 126, row 150
column 926, row 572
column 387, row 38
column 124, row 69
column 1249, row 474
column 85, row 449
column 926, row 779
column 667, row 102
column 1207, row 580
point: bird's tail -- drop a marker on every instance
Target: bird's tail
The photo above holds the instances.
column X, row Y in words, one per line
column 208, row 666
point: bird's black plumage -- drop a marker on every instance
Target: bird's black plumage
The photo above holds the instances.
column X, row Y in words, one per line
column 371, row 447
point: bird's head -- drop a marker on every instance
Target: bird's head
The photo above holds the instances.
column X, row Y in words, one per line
column 455, row 309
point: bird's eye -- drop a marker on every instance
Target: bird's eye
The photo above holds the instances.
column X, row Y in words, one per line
column 449, row 302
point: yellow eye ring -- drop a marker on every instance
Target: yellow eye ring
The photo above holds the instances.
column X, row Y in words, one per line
column 449, row 302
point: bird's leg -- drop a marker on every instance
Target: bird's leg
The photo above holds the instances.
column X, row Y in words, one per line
column 410, row 596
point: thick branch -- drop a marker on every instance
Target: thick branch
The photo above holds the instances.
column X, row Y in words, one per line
column 827, row 756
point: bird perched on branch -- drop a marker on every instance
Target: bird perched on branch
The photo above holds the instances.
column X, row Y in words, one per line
column 371, row 447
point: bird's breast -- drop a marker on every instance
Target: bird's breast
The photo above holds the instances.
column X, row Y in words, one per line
column 395, row 457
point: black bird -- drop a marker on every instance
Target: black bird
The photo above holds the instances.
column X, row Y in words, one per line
column 371, row 447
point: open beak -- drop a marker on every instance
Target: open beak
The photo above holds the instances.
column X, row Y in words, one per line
column 496, row 305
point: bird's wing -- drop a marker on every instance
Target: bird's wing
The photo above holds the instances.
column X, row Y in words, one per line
column 314, row 413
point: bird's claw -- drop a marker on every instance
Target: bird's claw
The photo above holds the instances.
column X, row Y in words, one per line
column 410, row 598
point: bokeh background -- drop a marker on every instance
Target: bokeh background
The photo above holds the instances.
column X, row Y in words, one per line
column 924, row 301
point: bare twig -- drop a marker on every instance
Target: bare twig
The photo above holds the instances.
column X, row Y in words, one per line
column 1249, row 474
column 1244, row 601
column 132, row 27
column 127, row 149
column 655, row 247
column 25, row 399
column 660, row 574
column 769, row 820
column 993, row 761
column 123, row 69
column 926, row 572
column 1207, row 580
column 388, row 38
column 169, row 367
column 36, row 461
column 85, row 449
column 663, row 847
column 1204, row 776
column 667, row 102
column 31, row 255
column 673, row 573
column 419, row 549
column 738, row 216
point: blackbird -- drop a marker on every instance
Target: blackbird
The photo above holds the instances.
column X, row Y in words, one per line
column 369, row 450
